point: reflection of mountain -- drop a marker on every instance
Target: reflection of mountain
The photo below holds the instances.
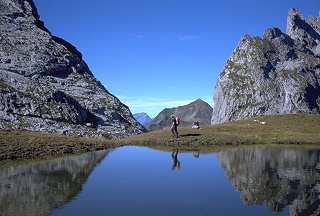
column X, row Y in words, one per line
column 281, row 177
column 37, row 188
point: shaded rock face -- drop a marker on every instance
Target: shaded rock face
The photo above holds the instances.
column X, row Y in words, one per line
column 276, row 74
column 196, row 111
column 46, row 86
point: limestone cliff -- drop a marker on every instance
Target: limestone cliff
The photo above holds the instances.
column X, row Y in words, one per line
column 46, row 86
column 276, row 74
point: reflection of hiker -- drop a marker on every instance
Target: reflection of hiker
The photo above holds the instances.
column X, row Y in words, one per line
column 174, row 126
column 175, row 162
column 196, row 154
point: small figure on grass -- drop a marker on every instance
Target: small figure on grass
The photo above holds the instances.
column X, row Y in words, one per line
column 174, row 126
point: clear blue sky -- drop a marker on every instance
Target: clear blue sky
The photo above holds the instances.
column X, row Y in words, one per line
column 156, row 54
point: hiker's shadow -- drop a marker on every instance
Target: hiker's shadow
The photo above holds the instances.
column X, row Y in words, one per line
column 190, row 135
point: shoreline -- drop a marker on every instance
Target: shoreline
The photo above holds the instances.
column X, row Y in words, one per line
column 291, row 129
column 22, row 144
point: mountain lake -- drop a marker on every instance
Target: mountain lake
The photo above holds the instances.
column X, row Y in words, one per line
column 130, row 180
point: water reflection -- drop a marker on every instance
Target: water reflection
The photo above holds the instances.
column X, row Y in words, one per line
column 175, row 161
column 35, row 189
column 280, row 177
column 196, row 154
column 268, row 180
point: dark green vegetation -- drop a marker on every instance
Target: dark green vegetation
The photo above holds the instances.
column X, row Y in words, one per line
column 280, row 129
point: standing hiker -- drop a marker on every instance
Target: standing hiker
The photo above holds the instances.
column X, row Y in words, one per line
column 174, row 127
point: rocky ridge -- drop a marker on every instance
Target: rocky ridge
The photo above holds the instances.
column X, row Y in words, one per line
column 46, row 86
column 196, row 111
column 276, row 74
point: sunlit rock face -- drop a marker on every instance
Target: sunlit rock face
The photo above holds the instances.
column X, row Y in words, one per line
column 276, row 74
column 38, row 188
column 275, row 177
column 46, row 86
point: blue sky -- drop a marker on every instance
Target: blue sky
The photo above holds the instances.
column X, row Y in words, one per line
column 156, row 54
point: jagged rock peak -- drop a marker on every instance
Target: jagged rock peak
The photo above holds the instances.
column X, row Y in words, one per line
column 19, row 8
column 296, row 21
column 22, row 11
column 46, row 86
column 306, row 31
column 276, row 74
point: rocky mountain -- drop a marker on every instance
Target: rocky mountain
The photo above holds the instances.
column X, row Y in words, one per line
column 276, row 74
column 196, row 111
column 143, row 118
column 46, row 86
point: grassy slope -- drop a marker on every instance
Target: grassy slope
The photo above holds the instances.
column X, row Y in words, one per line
column 280, row 129
column 17, row 144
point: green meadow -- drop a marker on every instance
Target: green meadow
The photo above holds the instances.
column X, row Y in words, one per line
column 293, row 129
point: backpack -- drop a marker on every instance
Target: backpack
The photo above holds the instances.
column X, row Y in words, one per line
column 177, row 118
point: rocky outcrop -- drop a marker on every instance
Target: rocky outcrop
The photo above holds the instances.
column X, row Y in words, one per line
column 197, row 111
column 276, row 74
column 46, row 86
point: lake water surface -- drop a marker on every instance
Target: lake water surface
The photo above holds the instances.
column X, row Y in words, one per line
column 260, row 180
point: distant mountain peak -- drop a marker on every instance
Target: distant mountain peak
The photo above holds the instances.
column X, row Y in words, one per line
column 197, row 110
column 142, row 117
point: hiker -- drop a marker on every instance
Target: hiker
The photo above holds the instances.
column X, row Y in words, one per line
column 174, row 127
column 175, row 162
